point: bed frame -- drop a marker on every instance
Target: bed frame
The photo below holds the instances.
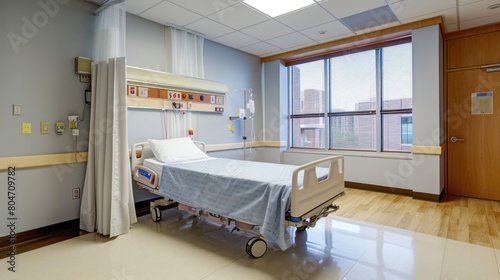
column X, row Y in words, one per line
column 310, row 202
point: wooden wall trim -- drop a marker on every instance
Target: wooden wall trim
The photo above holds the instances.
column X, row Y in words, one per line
column 428, row 150
column 396, row 191
column 239, row 145
column 472, row 31
column 355, row 41
column 376, row 188
column 42, row 160
column 69, row 158
column 36, row 238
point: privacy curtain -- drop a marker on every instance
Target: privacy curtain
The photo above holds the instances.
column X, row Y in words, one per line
column 185, row 57
column 186, row 52
column 107, row 200
column 177, row 123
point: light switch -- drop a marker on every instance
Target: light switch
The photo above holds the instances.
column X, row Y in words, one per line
column 16, row 109
column 26, row 128
column 44, row 128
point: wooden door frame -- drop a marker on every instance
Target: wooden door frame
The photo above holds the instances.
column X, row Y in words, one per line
column 446, row 38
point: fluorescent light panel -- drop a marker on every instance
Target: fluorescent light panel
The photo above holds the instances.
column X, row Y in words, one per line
column 276, row 8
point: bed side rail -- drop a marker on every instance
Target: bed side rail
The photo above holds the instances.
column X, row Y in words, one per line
column 311, row 192
column 140, row 152
column 201, row 145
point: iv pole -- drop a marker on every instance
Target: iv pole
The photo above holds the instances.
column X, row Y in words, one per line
column 244, row 126
column 232, row 118
column 245, row 107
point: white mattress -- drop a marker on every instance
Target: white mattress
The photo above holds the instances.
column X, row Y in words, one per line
column 157, row 166
column 154, row 165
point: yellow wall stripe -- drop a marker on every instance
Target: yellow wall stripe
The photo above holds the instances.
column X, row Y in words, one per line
column 428, row 150
column 69, row 158
column 42, row 160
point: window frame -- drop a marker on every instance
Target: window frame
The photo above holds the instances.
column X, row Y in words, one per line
column 379, row 112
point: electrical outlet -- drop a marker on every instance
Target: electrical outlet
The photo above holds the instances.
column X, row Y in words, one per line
column 44, row 127
column 16, row 109
column 26, row 128
column 76, row 193
column 84, row 78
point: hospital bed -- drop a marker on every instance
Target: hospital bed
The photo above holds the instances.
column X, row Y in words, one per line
column 246, row 195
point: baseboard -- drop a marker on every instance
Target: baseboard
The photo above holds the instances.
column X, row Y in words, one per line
column 36, row 238
column 415, row 195
column 376, row 188
column 40, row 237
column 429, row 197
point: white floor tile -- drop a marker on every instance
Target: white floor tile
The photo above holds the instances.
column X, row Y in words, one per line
column 426, row 260
column 497, row 256
column 468, row 261
column 184, row 247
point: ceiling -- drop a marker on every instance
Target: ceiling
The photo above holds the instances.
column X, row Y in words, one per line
column 233, row 23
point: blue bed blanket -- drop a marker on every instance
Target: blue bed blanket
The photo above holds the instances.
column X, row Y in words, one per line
column 252, row 192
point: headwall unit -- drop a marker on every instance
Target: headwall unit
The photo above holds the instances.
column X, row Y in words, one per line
column 160, row 90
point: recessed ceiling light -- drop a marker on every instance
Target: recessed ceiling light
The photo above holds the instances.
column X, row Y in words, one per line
column 494, row 6
column 278, row 7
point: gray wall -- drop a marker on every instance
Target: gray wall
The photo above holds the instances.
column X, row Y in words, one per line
column 40, row 76
column 222, row 64
column 275, row 111
column 37, row 71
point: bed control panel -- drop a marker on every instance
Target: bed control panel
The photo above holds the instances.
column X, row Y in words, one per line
column 146, row 176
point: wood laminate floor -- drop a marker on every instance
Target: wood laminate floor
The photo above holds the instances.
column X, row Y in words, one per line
column 470, row 220
column 372, row 236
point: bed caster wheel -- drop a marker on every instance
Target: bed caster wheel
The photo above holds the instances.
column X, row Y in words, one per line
column 156, row 214
column 256, row 247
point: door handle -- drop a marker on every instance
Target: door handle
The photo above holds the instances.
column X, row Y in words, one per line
column 455, row 139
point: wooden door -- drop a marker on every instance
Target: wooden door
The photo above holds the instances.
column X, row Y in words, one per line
column 474, row 162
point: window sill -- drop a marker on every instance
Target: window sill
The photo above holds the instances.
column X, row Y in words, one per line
column 385, row 155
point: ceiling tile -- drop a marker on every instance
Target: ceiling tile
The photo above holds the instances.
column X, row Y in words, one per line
column 139, row 6
column 449, row 16
column 290, row 41
column 306, row 18
column 451, row 27
column 209, row 28
column 233, row 23
column 236, row 40
column 479, row 22
column 465, row 2
column 344, row 8
column 413, row 9
column 478, row 9
column 167, row 12
column 333, row 30
column 239, row 16
column 204, row 7
column 260, row 49
column 267, row 30
column 376, row 28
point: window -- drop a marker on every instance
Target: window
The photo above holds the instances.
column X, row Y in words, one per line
column 358, row 101
column 308, row 105
column 406, row 131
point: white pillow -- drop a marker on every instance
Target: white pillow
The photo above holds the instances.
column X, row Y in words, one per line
column 176, row 150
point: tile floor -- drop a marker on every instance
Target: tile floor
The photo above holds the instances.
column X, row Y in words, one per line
column 185, row 247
